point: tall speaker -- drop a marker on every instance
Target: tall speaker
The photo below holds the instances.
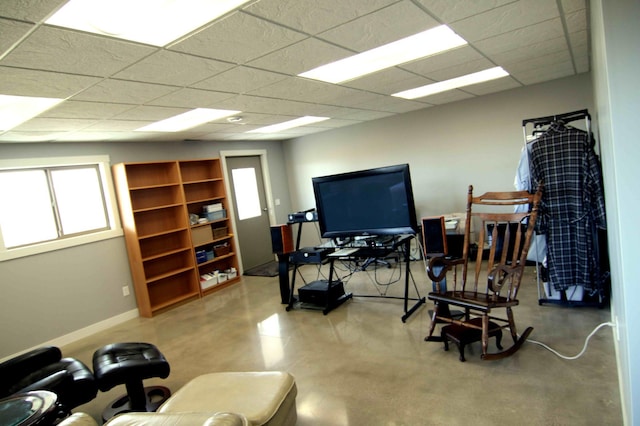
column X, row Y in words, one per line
column 282, row 239
column 434, row 236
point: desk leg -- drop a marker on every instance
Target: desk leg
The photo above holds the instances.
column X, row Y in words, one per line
column 283, row 275
column 421, row 300
column 293, row 285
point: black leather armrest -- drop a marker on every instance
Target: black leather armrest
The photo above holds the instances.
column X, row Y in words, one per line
column 56, row 382
column 14, row 369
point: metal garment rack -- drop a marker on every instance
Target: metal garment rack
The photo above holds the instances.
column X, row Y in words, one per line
column 538, row 126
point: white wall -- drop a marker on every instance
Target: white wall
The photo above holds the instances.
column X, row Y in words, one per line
column 616, row 61
column 476, row 141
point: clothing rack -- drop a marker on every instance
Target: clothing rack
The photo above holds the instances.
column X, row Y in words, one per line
column 540, row 125
column 566, row 118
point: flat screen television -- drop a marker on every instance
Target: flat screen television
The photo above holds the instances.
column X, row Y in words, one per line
column 366, row 203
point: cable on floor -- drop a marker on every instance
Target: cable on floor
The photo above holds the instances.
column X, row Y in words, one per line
column 610, row 324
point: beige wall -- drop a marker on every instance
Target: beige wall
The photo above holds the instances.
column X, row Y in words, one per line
column 476, row 141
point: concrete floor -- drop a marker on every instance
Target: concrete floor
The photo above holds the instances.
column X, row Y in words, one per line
column 361, row 365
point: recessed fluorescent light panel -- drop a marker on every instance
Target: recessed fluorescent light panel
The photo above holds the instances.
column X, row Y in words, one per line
column 454, row 83
column 187, row 120
column 426, row 43
column 275, row 128
column 146, row 21
column 15, row 110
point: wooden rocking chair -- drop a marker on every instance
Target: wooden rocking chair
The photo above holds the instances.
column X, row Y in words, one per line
column 507, row 235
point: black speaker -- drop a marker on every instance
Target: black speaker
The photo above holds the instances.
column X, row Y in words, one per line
column 434, row 236
column 282, row 239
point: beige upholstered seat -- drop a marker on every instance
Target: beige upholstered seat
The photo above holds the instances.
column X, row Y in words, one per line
column 173, row 419
column 264, row 398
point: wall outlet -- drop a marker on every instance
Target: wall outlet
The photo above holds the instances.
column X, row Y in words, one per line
column 125, row 290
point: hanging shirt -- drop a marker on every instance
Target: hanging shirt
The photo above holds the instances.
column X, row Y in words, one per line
column 572, row 204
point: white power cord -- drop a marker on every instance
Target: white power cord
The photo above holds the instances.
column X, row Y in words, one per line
column 610, row 324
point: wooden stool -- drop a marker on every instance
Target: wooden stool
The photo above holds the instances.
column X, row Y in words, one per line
column 462, row 336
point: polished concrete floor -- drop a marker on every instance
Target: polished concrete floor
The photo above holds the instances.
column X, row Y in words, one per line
column 361, row 365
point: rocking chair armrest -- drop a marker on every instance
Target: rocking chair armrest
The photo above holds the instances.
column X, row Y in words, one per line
column 446, row 262
column 499, row 275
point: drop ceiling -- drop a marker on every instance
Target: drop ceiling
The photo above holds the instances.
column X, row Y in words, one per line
column 248, row 60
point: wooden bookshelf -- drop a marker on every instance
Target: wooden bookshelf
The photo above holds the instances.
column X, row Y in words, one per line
column 156, row 200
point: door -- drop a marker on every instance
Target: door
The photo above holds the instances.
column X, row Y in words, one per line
column 250, row 210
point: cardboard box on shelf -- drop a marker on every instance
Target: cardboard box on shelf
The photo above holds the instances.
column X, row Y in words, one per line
column 201, row 235
column 220, row 232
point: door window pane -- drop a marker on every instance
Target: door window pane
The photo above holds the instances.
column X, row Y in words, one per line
column 245, row 187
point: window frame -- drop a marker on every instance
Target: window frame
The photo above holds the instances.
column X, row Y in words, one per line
column 102, row 162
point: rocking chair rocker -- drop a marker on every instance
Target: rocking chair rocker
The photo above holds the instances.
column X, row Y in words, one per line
column 508, row 236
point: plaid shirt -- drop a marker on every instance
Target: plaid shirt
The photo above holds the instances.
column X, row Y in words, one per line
column 572, row 204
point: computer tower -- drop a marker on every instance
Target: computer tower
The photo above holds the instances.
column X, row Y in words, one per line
column 320, row 293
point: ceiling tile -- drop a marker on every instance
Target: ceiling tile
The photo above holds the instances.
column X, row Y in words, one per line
column 506, row 18
column 190, row 98
column 357, row 114
column 579, row 43
column 26, row 137
column 388, row 81
column 300, row 57
column 240, row 79
column 544, row 68
column 459, row 70
column 455, row 10
column 258, row 120
column 55, row 49
column 380, row 27
column 521, row 38
column 539, row 62
column 577, row 21
column 493, row 86
column 80, row 109
column 248, row 61
column 29, row 10
column 312, row 16
column 149, row 113
column 11, row 32
column 542, row 48
column 126, row 92
column 300, row 89
column 116, row 125
column 165, row 67
column 24, row 82
column 447, row 97
column 249, row 103
column 238, row 38
column 569, row 6
column 390, row 104
column 534, row 76
column 446, row 60
column 53, row 124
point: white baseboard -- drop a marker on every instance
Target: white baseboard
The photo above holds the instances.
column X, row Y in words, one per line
column 84, row 332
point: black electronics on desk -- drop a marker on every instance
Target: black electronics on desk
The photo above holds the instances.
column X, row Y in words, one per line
column 310, row 255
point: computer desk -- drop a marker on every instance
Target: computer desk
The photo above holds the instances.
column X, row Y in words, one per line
column 354, row 253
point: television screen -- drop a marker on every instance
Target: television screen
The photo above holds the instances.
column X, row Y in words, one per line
column 366, row 202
